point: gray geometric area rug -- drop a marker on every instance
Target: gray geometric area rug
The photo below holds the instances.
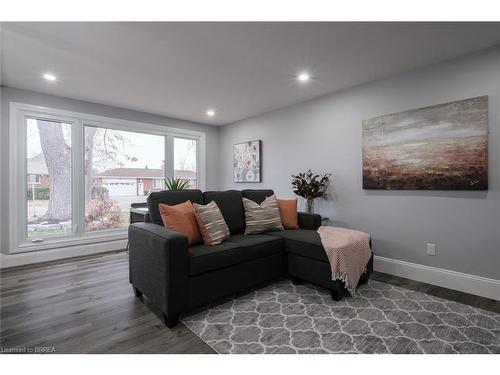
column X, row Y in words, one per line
column 381, row 318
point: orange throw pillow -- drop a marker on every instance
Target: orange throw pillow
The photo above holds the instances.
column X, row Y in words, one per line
column 288, row 213
column 181, row 219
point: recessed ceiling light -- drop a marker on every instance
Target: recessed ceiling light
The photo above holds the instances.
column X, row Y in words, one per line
column 210, row 113
column 49, row 77
column 303, row 77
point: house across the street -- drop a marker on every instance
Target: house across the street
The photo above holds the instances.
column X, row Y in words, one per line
column 38, row 176
column 137, row 181
column 118, row 181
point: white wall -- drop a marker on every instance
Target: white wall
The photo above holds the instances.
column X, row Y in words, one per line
column 325, row 135
column 16, row 95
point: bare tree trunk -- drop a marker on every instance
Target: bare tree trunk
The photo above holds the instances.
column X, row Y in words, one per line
column 58, row 159
column 89, row 156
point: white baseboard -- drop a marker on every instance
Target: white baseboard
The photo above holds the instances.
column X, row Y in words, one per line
column 477, row 285
column 21, row 259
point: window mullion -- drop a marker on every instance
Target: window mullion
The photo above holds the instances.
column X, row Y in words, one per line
column 169, row 155
column 78, row 178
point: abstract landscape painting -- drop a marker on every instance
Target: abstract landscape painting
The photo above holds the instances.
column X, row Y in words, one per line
column 442, row 147
column 246, row 162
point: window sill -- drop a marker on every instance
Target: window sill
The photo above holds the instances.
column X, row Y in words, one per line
column 92, row 238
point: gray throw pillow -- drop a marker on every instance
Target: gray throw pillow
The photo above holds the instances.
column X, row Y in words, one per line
column 212, row 226
column 264, row 217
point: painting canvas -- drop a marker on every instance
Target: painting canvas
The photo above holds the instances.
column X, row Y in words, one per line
column 442, row 147
column 246, row 162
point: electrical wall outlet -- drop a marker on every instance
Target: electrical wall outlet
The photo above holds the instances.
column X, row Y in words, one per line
column 431, row 249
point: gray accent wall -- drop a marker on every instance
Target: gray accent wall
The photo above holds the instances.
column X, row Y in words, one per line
column 325, row 135
column 22, row 96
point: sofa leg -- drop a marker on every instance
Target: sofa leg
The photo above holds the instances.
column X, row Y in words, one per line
column 337, row 294
column 170, row 321
column 137, row 292
column 296, row 281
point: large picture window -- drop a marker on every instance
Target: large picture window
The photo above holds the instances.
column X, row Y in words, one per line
column 74, row 176
column 121, row 168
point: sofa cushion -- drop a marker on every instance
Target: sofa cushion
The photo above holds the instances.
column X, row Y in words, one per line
column 261, row 218
column 257, row 195
column 304, row 242
column 288, row 213
column 213, row 227
column 230, row 205
column 209, row 258
column 181, row 219
column 257, row 245
column 171, row 198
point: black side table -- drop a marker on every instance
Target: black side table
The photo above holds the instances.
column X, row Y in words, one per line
column 325, row 220
column 138, row 212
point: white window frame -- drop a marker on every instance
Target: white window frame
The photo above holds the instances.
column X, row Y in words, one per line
column 18, row 241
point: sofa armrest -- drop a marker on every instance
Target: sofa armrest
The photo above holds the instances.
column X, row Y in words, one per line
column 309, row 221
column 159, row 265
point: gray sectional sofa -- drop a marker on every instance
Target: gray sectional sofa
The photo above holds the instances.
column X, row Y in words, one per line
column 177, row 278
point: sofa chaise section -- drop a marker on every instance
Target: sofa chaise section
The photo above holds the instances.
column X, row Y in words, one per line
column 307, row 261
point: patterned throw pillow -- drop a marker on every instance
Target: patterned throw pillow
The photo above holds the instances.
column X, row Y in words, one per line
column 262, row 217
column 212, row 226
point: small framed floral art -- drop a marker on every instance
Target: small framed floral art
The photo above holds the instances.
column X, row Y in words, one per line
column 246, row 162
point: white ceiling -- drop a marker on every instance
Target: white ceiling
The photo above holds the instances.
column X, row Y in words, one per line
column 239, row 69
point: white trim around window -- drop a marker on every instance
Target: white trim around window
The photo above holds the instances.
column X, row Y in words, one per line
column 17, row 171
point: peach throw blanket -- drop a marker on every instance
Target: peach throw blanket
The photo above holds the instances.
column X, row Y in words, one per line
column 348, row 252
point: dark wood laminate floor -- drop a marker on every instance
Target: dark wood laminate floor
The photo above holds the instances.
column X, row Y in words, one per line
column 86, row 305
column 437, row 291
